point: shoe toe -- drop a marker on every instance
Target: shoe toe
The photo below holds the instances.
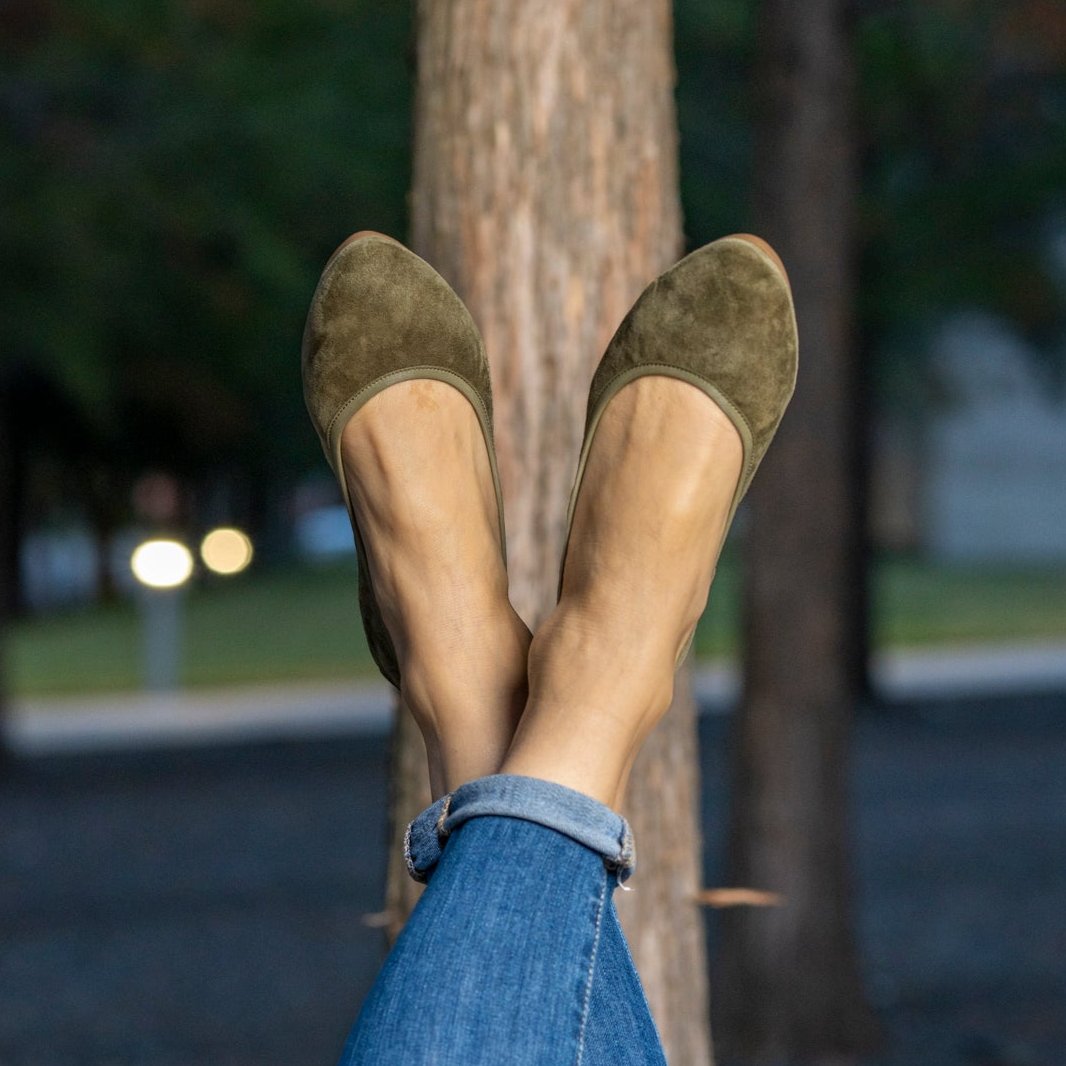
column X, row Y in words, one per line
column 380, row 310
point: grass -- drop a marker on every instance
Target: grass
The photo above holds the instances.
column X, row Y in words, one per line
column 302, row 624
column 918, row 606
column 285, row 625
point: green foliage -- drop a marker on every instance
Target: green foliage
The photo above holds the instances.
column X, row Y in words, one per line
column 288, row 625
column 963, row 134
column 715, row 49
column 961, row 129
column 173, row 175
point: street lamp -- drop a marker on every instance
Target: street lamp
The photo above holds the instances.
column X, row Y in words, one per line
column 161, row 567
column 226, row 550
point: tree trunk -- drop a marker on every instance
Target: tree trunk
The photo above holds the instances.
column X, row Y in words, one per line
column 665, row 930
column 408, row 794
column 545, row 191
column 790, row 987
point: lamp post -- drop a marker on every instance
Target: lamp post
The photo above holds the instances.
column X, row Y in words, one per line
column 162, row 568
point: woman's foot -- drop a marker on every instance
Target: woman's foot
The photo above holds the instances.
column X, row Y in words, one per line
column 650, row 517
column 418, row 474
column 397, row 386
column 664, row 468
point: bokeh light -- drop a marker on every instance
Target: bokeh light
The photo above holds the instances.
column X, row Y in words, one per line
column 226, row 550
column 161, row 564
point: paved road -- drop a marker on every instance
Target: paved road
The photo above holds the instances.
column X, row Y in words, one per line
column 205, row 906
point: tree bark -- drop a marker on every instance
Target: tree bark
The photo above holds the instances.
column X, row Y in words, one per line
column 790, row 986
column 545, row 191
column 665, row 930
column 408, row 794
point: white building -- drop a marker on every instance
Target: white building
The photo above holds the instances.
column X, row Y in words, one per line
column 993, row 472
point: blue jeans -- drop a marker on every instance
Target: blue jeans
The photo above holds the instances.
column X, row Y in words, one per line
column 514, row 954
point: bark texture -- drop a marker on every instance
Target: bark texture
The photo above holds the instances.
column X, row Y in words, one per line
column 409, row 794
column 790, row 987
column 664, row 927
column 545, row 191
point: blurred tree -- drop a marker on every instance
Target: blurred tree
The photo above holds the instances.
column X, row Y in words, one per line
column 790, row 988
column 549, row 205
column 962, row 145
column 170, row 175
column 963, row 156
column 963, row 141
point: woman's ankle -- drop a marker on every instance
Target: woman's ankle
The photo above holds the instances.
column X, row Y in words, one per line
column 595, row 694
column 467, row 694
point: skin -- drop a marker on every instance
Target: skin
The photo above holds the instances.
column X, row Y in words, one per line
column 434, row 554
column 638, row 571
column 647, row 529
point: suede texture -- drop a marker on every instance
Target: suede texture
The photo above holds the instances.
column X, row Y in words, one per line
column 379, row 309
column 722, row 315
column 722, row 320
column 380, row 314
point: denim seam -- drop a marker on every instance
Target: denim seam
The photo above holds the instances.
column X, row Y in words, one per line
column 407, row 857
column 443, row 832
column 592, row 967
column 624, row 864
column 640, row 984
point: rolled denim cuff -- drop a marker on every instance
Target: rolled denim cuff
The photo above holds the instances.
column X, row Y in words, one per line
column 574, row 814
column 424, row 839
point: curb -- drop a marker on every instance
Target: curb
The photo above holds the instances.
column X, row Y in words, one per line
column 126, row 720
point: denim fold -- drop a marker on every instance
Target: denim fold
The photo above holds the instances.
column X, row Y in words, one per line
column 572, row 813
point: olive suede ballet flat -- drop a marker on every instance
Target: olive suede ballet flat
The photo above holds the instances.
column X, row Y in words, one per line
column 720, row 319
column 381, row 315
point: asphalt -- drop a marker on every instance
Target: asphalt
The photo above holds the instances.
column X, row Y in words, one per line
column 208, row 903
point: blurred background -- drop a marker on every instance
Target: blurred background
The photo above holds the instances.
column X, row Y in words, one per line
column 192, row 798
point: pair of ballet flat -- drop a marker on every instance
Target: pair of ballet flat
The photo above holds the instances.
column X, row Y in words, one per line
column 721, row 319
